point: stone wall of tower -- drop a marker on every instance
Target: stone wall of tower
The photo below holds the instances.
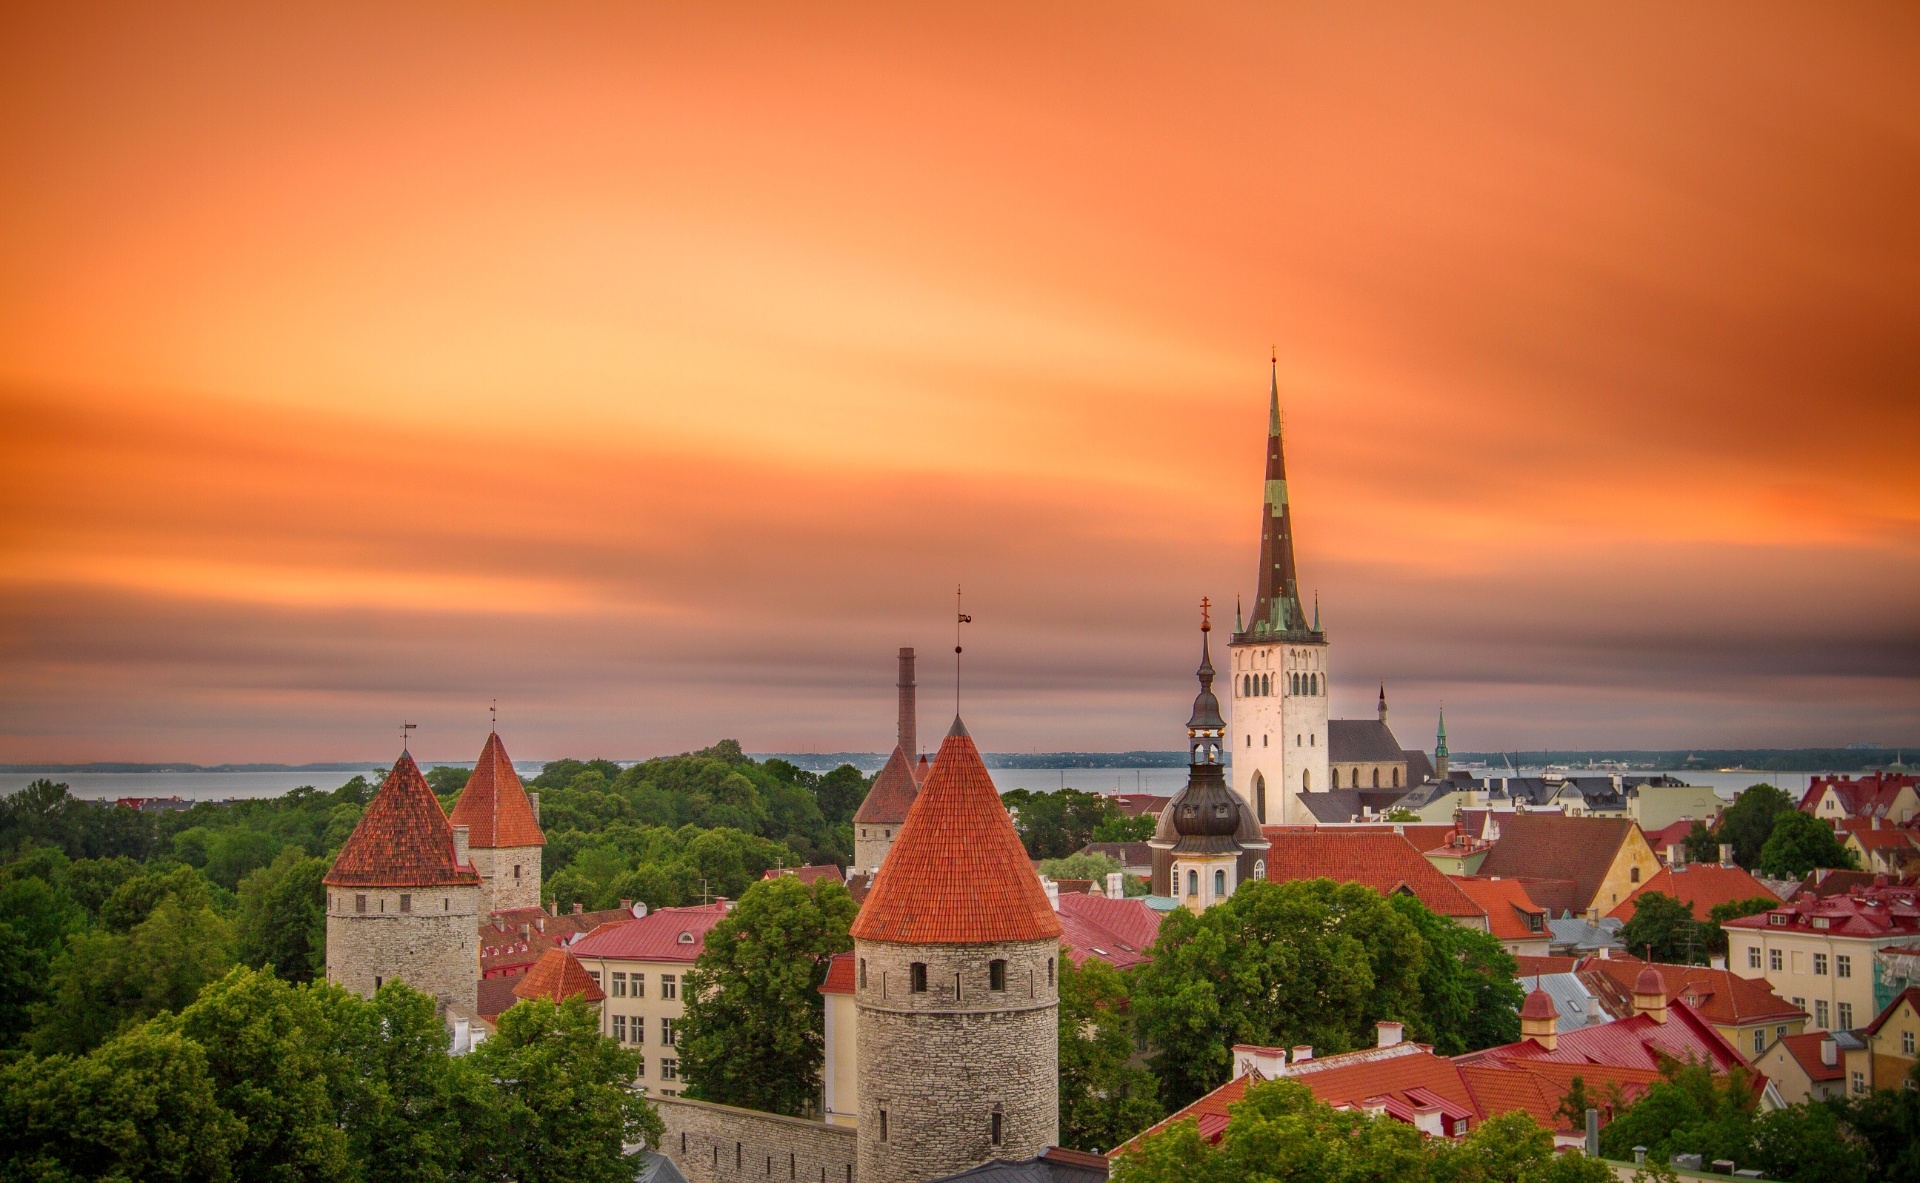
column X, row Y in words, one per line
column 941, row 1066
column 1278, row 740
column 433, row 947
column 871, row 844
column 500, row 888
column 720, row 1144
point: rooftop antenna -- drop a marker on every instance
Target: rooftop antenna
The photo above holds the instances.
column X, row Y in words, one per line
column 404, row 728
column 960, row 618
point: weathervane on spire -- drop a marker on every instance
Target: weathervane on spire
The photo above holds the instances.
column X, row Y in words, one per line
column 404, row 728
column 960, row 618
column 493, row 715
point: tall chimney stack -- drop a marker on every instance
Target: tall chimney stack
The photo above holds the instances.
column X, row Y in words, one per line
column 909, row 710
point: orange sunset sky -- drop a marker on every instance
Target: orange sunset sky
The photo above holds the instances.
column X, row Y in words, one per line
column 659, row 370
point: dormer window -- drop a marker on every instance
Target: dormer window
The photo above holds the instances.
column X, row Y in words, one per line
column 686, row 938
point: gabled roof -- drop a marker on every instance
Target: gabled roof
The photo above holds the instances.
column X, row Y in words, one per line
column 1508, row 907
column 1118, row 932
column 808, row 875
column 669, row 934
column 891, row 796
column 403, row 839
column 839, row 978
column 921, row 769
column 957, row 873
column 1537, row 1087
column 1805, row 1050
column 1127, row 854
column 1720, row 996
column 1531, row 965
column 1362, row 741
column 1384, row 861
column 1554, row 846
column 493, row 996
column 1055, row 1164
column 1635, row 1042
column 556, row 977
column 1673, row 835
column 1703, row 885
column 1419, row 766
column 1910, row 997
column 494, row 805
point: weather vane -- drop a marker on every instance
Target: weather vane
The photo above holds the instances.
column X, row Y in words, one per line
column 960, row 618
column 493, row 714
column 404, row 728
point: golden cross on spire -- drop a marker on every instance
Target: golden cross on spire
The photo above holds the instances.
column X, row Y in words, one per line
column 1206, row 619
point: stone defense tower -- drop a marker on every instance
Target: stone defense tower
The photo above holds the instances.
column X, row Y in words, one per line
column 1278, row 731
column 955, row 987
column 403, row 902
column 1207, row 841
column 878, row 820
column 503, row 833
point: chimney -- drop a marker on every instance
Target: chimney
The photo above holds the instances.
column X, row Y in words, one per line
column 909, row 711
column 1650, row 995
column 1830, row 1052
column 1116, row 886
column 1388, row 1033
column 576, row 909
column 1676, row 855
column 1302, row 1052
column 1540, row 1019
column 626, row 905
column 534, row 799
column 1593, row 914
column 1726, row 854
column 553, row 908
column 1053, row 892
column 460, row 845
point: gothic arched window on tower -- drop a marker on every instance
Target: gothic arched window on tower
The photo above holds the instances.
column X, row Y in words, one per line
column 1306, row 781
column 1219, row 885
column 1259, row 793
column 1336, row 777
column 1376, row 778
column 1396, row 778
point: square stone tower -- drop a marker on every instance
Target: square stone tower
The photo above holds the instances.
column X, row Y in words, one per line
column 503, row 835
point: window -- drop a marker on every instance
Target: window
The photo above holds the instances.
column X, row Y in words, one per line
column 669, row 1070
column 516, row 870
column 996, row 974
column 1906, row 1043
column 1842, row 966
column 996, row 1127
column 1633, row 875
column 1773, row 960
column 595, row 975
column 378, row 981
column 1820, row 1013
column 1859, row 1084
column 446, row 904
column 359, row 903
column 667, row 1037
column 1844, row 1012
column 619, row 985
column 638, row 1028
column 640, row 1068
column 1219, row 884
column 1759, row 1041
column 1049, row 973
column 1820, row 964
column 1193, row 883
column 669, row 987
column 406, row 903
column 883, row 1122
column 917, row 977
column 863, row 973
column 619, row 1028
column 1376, row 778
column 1335, row 773
column 1753, row 957
column 1800, row 1004
column 1306, row 782
column 1396, row 778
column 1259, row 870
column 639, row 985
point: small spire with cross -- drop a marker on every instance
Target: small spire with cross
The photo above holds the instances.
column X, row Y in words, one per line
column 1206, row 617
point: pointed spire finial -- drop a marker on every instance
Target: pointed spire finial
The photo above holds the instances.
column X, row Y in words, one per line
column 1206, row 619
column 404, row 728
column 1238, row 625
column 1273, row 406
column 1316, row 611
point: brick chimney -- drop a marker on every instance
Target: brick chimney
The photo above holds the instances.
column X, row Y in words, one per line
column 909, row 730
column 1387, row 1033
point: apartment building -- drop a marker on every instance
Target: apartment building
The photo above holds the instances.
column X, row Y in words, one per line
column 642, row 966
column 1817, row 953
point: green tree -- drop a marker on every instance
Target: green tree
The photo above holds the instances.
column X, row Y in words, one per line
column 1121, row 828
column 448, row 781
column 135, row 899
column 1801, row 842
column 1055, row 824
column 232, row 853
column 1719, row 914
column 1105, row 1098
column 282, row 922
column 109, row 981
column 840, row 793
column 1805, row 1144
column 1748, row 822
column 753, row 1033
column 91, row 881
column 140, row 1107
column 1690, row 1110
column 24, row 970
column 1304, row 962
column 1470, row 995
column 1703, row 845
column 1887, row 1124
column 1663, row 929
column 564, row 1110
column 1512, row 1148
column 1081, row 866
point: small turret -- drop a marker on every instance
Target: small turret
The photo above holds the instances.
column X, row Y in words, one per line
column 1650, row 995
column 1439, row 746
column 1539, row 1019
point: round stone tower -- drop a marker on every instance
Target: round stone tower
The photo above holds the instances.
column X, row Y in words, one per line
column 403, row 902
column 956, row 987
column 503, row 833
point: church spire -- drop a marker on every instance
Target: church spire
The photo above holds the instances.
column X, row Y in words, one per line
column 1205, row 727
column 1440, row 748
column 1277, row 610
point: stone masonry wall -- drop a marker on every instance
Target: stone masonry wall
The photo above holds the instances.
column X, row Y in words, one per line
column 723, row 1144
column 869, row 850
column 499, row 889
column 435, row 948
column 941, row 1066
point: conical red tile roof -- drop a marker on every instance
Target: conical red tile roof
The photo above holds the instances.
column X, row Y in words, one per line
column 494, row 805
column 921, row 769
column 892, row 794
column 403, row 839
column 556, row 977
column 957, row 873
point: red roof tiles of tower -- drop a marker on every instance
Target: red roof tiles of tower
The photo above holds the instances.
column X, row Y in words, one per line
column 921, row 769
column 494, row 805
column 403, row 839
column 558, row 976
column 891, row 796
column 957, row 873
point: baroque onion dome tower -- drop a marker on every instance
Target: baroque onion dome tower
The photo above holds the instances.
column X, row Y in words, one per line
column 503, row 831
column 403, row 902
column 1208, row 841
column 1278, row 732
column 955, row 987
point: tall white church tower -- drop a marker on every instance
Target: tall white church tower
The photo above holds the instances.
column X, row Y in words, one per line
column 1278, row 719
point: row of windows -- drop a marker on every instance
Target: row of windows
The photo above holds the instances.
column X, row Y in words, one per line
column 1261, row 685
column 669, row 1036
column 637, row 982
column 339, row 903
column 917, row 976
column 1353, row 778
column 1760, row 1038
column 1842, row 962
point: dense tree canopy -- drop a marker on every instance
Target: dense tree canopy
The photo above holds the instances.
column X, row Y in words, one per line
column 1800, row 843
column 1056, row 824
column 1748, row 822
column 1105, row 1098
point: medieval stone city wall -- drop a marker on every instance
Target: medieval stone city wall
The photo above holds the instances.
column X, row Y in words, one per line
column 941, row 1067
column 501, row 890
column 870, row 845
column 435, row 947
column 724, row 1144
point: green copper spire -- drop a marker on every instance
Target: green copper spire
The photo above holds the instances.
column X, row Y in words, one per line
column 1316, row 612
column 1440, row 741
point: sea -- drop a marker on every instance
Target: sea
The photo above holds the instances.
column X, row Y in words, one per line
column 233, row 786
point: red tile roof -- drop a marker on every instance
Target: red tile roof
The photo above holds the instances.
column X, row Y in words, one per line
column 1805, row 1050
column 1872, row 795
column 921, row 769
column 892, row 794
column 808, row 875
column 1553, row 846
column 495, row 995
column 1537, row 1087
column 1910, row 996
column 1704, row 885
column 1720, row 996
column 1531, row 966
column 1118, row 932
column 1635, row 1042
column 839, row 975
column 670, row 934
column 494, row 805
column 403, row 839
column 1673, row 835
column 1508, row 907
column 1863, row 912
column 1384, row 861
column 556, row 977
column 957, row 873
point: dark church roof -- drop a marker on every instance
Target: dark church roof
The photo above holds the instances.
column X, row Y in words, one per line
column 1419, row 768
column 1053, row 1165
column 1362, row 741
